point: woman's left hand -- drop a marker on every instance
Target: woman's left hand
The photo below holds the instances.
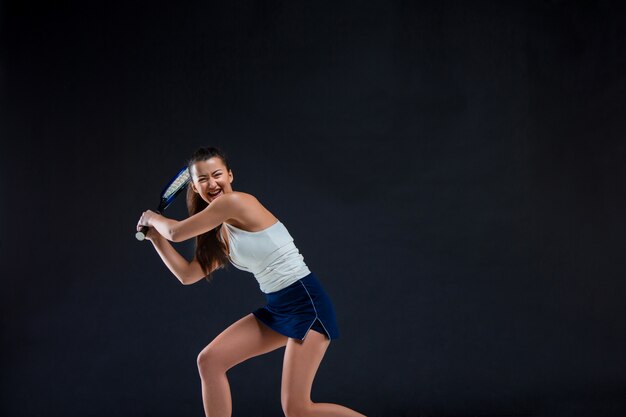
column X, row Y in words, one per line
column 146, row 218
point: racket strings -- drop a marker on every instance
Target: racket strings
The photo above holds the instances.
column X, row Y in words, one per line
column 177, row 184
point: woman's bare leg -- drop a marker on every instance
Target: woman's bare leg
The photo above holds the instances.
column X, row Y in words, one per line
column 301, row 361
column 242, row 340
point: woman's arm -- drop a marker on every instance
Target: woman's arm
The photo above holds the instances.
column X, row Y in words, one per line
column 226, row 207
column 186, row 272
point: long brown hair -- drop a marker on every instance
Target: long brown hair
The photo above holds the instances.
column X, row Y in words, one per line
column 210, row 251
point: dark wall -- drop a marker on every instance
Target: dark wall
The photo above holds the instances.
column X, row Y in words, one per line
column 452, row 171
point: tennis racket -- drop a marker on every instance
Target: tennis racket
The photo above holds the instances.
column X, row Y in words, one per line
column 169, row 193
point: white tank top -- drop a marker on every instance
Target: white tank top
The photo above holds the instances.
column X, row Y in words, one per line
column 269, row 254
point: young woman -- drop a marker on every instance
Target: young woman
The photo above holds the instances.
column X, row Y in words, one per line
column 233, row 226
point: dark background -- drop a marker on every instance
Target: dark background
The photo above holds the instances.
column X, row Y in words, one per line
column 452, row 171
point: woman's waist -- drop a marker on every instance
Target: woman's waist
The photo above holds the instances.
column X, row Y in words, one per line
column 308, row 284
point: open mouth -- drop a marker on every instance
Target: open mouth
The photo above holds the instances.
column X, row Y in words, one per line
column 215, row 193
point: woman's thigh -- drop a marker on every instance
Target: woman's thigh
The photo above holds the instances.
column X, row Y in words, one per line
column 300, row 364
column 242, row 340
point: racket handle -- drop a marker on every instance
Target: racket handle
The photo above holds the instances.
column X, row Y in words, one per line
column 143, row 231
column 141, row 234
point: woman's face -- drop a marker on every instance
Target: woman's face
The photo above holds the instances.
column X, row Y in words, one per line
column 211, row 179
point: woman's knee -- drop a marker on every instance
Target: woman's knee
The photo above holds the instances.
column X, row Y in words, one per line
column 295, row 408
column 210, row 360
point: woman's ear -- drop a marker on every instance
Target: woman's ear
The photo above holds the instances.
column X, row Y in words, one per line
column 193, row 187
column 230, row 174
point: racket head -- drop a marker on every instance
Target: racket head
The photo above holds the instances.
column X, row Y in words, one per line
column 176, row 185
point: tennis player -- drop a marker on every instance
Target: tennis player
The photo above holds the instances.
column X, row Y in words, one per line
column 232, row 226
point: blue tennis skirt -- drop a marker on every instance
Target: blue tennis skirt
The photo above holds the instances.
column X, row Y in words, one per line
column 298, row 308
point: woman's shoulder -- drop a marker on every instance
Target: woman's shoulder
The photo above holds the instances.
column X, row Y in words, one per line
column 250, row 214
column 236, row 200
column 241, row 197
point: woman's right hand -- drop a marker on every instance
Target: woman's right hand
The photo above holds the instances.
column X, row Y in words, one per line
column 152, row 234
